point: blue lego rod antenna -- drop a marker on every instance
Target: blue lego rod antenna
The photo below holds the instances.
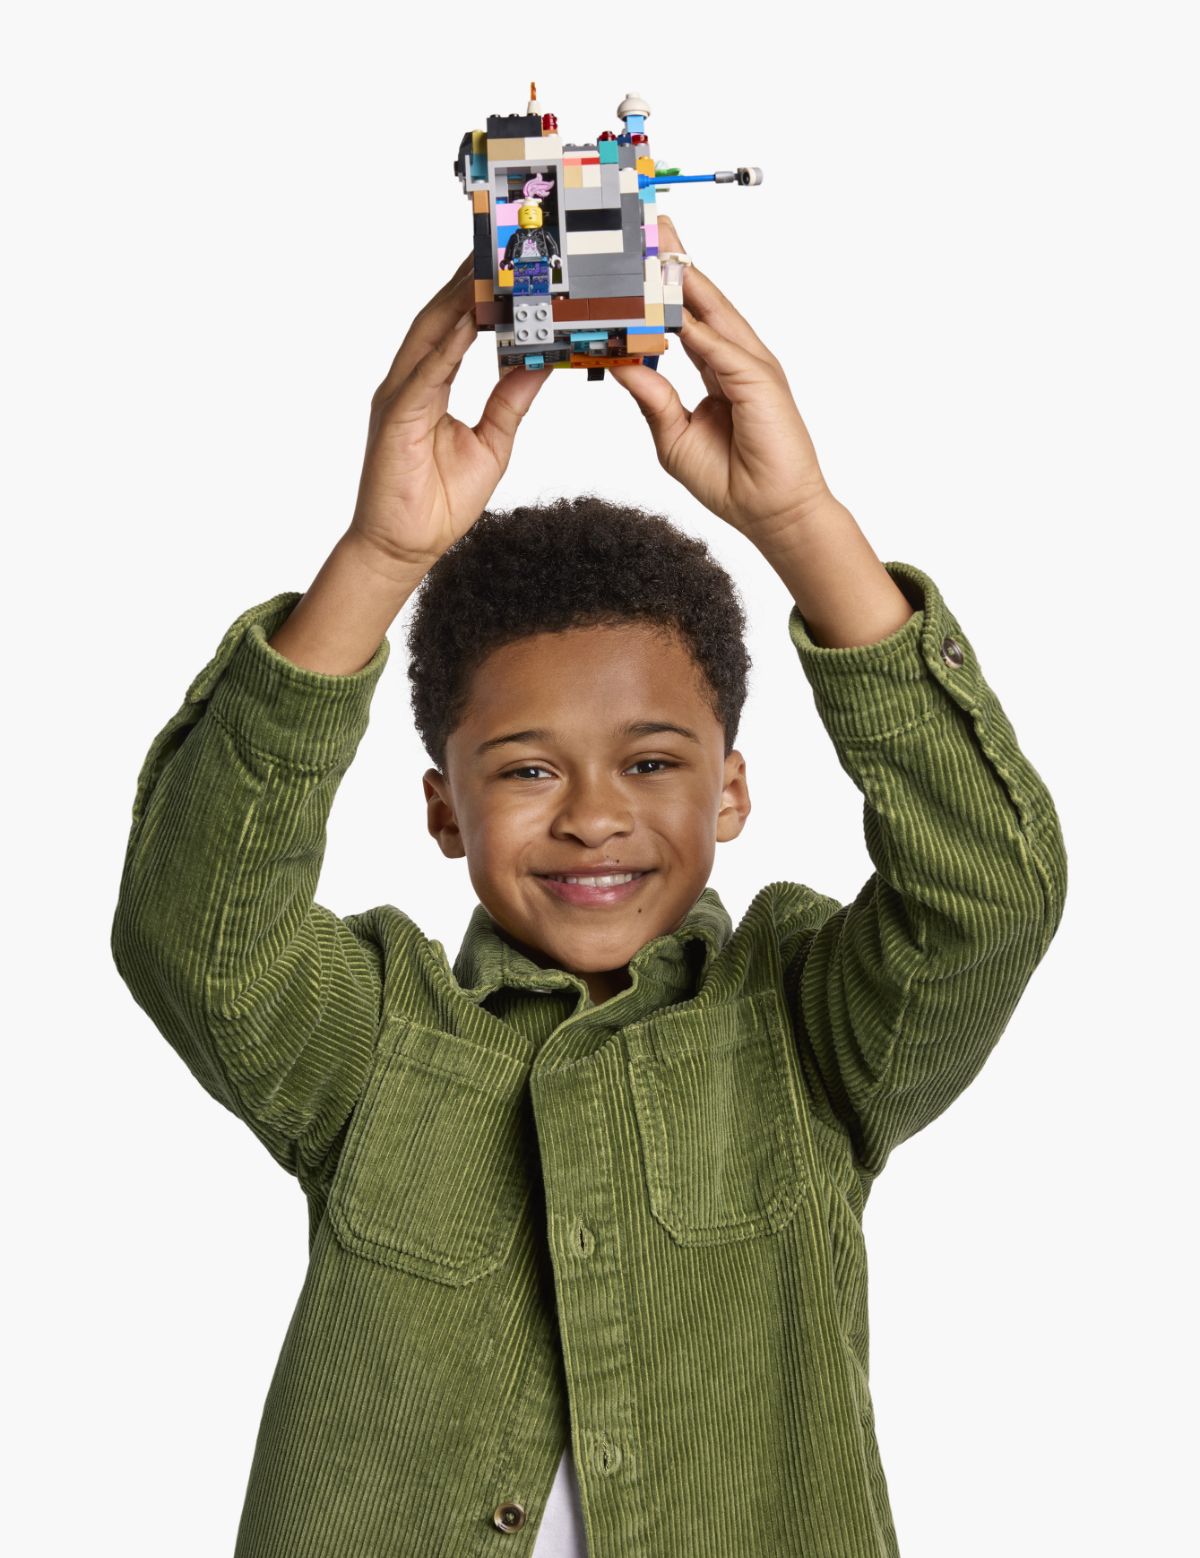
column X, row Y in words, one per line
column 742, row 176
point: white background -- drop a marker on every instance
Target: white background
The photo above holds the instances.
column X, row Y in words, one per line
column 973, row 252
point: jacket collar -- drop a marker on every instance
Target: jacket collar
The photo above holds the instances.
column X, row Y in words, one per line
column 675, row 960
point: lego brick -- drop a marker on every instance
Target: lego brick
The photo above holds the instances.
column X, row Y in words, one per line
column 592, row 219
column 514, row 125
column 646, row 165
column 568, row 309
column 627, row 156
column 538, row 147
column 593, row 242
column 576, row 198
column 605, row 305
column 484, row 289
column 649, row 341
column 610, row 187
column 622, row 264
column 480, row 201
column 673, row 316
column 572, row 174
column 655, row 314
column 578, row 360
column 485, row 264
column 629, row 181
column 591, row 174
column 672, row 294
column 502, row 149
column 608, row 151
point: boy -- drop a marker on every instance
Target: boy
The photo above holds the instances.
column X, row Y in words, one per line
column 589, row 1201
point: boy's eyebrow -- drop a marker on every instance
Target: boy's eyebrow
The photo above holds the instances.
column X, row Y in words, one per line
column 643, row 727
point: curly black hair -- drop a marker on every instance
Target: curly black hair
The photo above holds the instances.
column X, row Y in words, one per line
column 542, row 568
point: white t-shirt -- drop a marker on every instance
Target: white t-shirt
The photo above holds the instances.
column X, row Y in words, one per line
column 561, row 1534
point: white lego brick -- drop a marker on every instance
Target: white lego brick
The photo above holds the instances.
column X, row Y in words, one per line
column 596, row 243
column 672, row 294
column 629, row 181
column 591, row 175
column 653, row 270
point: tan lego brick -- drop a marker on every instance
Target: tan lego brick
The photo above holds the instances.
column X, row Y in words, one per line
column 595, row 243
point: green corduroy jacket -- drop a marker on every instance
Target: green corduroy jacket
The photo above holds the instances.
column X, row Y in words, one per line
column 631, row 1229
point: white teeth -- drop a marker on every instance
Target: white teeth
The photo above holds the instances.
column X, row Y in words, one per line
column 599, row 881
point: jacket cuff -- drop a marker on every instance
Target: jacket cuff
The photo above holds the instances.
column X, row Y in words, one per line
column 864, row 692
column 300, row 717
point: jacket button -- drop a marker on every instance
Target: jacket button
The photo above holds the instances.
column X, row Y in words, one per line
column 952, row 651
column 509, row 1516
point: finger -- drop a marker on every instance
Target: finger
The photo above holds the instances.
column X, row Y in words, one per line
column 710, row 380
column 510, row 399
column 430, row 324
column 424, row 392
column 745, row 378
column 709, row 303
column 659, row 402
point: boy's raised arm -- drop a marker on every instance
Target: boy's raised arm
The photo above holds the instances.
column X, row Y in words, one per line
column 274, row 1002
column 899, row 997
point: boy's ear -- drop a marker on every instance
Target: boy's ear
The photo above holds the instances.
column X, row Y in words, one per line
column 735, row 799
column 439, row 808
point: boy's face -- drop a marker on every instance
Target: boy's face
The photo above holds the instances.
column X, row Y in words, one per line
column 574, row 793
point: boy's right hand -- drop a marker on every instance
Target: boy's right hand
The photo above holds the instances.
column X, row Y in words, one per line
column 427, row 477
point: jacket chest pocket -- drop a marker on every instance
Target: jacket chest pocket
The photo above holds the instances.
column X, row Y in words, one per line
column 435, row 1171
column 721, row 1132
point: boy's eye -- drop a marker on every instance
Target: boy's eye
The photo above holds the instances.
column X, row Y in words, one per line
column 533, row 768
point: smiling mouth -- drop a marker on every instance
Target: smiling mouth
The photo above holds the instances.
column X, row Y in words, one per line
column 613, row 887
column 593, row 878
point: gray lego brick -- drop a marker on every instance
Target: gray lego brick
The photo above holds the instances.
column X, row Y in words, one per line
column 597, row 286
column 607, row 265
column 582, row 199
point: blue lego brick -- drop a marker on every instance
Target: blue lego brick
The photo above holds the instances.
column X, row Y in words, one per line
column 588, row 335
column 537, row 361
column 609, row 152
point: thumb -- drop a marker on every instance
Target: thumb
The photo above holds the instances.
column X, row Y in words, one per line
column 658, row 401
column 510, row 399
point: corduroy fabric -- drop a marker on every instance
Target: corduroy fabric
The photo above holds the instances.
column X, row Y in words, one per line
column 634, row 1227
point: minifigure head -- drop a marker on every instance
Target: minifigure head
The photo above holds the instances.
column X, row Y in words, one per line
column 529, row 214
column 578, row 672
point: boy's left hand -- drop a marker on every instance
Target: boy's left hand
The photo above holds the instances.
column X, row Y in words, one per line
column 744, row 451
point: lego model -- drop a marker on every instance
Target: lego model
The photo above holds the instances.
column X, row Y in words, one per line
column 568, row 271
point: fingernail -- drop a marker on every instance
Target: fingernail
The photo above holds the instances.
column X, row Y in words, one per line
column 469, row 315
